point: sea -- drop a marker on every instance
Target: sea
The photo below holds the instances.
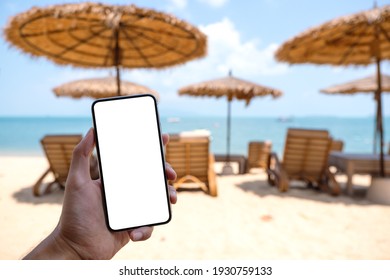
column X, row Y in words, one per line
column 21, row 135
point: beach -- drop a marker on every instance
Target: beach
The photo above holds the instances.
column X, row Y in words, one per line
column 248, row 220
column 225, row 69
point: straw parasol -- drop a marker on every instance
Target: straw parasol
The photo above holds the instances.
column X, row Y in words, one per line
column 232, row 88
column 95, row 35
column 365, row 85
column 359, row 39
column 100, row 87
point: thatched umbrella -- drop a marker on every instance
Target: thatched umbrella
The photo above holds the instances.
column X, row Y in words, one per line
column 358, row 39
column 232, row 88
column 365, row 85
column 100, row 87
column 94, row 35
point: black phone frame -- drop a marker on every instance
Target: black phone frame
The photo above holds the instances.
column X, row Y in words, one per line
column 99, row 159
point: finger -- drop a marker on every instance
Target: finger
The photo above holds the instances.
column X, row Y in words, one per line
column 81, row 156
column 165, row 138
column 141, row 234
column 172, row 194
column 170, row 172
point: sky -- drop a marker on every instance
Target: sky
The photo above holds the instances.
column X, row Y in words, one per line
column 242, row 37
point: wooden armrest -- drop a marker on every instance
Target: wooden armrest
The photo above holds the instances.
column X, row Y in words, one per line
column 273, row 161
column 212, row 177
column 276, row 173
column 37, row 186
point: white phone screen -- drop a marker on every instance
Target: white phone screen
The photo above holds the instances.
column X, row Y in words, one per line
column 132, row 168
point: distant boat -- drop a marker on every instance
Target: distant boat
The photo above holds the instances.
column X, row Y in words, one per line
column 173, row 120
column 285, row 119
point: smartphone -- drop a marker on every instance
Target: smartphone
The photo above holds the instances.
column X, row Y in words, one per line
column 131, row 161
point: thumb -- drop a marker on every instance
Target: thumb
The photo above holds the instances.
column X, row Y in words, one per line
column 165, row 138
column 80, row 164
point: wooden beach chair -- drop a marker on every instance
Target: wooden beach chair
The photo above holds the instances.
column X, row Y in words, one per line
column 258, row 153
column 59, row 150
column 305, row 158
column 337, row 145
column 193, row 162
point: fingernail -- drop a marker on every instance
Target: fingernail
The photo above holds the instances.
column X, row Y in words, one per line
column 137, row 236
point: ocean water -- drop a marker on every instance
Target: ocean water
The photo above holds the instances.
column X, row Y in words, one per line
column 21, row 135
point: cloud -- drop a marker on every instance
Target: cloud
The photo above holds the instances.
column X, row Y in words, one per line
column 182, row 4
column 228, row 51
column 178, row 4
column 214, row 3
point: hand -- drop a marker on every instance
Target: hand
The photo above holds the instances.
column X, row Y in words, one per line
column 82, row 232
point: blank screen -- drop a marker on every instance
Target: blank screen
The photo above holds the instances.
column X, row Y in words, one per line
column 131, row 161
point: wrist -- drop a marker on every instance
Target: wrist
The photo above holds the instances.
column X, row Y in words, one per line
column 53, row 247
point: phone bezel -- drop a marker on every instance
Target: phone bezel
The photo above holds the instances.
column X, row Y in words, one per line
column 105, row 206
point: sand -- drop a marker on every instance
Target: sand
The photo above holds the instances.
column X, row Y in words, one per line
column 248, row 220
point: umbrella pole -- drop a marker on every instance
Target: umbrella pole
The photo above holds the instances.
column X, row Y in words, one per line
column 118, row 80
column 376, row 128
column 227, row 169
column 116, row 61
column 379, row 115
column 228, row 133
column 228, row 126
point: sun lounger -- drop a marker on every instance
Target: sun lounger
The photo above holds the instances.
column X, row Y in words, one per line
column 258, row 153
column 58, row 150
column 189, row 155
column 305, row 158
